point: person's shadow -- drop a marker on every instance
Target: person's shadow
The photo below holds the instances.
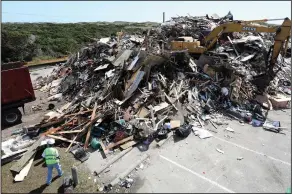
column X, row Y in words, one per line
column 42, row 187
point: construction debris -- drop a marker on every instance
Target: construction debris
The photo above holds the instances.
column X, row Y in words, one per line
column 220, row 151
column 240, row 158
column 122, row 92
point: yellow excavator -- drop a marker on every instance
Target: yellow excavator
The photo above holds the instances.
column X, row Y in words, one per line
column 195, row 47
column 282, row 36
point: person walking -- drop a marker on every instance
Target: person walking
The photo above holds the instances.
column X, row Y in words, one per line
column 51, row 156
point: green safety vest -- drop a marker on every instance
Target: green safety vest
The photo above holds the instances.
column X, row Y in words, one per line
column 51, row 156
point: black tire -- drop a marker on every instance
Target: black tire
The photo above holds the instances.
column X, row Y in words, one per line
column 11, row 117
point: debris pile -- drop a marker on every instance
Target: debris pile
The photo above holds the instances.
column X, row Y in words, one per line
column 129, row 90
column 133, row 86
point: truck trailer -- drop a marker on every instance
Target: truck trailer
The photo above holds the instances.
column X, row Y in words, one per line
column 16, row 90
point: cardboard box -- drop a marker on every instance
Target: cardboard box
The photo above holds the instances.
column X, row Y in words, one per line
column 280, row 101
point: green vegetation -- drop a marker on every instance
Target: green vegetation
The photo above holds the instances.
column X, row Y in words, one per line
column 35, row 41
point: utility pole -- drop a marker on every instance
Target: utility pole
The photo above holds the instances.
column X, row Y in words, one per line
column 163, row 17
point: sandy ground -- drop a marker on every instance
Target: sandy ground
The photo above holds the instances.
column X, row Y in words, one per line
column 36, row 179
column 189, row 165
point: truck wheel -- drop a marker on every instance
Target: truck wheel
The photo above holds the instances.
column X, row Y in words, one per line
column 11, row 117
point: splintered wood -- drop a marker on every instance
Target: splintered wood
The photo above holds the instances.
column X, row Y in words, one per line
column 119, row 142
column 90, row 127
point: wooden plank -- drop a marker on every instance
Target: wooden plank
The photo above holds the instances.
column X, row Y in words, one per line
column 63, row 139
column 104, row 150
column 51, row 131
column 27, row 156
column 75, row 131
column 170, row 101
column 54, row 130
column 71, row 143
column 90, row 126
column 85, row 127
column 114, row 159
column 128, row 144
column 24, row 172
column 120, row 142
column 160, row 106
column 100, row 117
column 50, row 123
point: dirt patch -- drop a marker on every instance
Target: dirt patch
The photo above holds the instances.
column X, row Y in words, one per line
column 36, row 179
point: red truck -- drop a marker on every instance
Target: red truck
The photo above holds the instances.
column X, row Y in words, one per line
column 16, row 90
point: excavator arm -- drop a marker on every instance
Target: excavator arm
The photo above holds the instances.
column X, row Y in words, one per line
column 245, row 26
column 214, row 35
column 281, row 42
column 282, row 35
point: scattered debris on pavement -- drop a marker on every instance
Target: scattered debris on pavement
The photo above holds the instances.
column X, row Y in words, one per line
column 220, row 151
column 240, row 158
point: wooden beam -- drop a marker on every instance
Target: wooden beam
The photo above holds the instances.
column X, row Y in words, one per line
column 120, row 142
column 74, row 131
column 103, row 149
column 18, row 166
column 90, row 126
column 71, row 143
column 63, row 139
column 50, row 123
column 170, row 101
column 128, row 144
column 24, row 172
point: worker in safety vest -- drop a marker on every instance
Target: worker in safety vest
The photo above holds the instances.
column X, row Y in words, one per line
column 52, row 160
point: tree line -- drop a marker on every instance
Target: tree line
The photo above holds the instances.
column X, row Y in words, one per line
column 30, row 41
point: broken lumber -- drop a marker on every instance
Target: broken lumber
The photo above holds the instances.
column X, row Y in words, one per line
column 113, row 160
column 129, row 170
column 18, row 166
column 63, row 139
column 213, row 124
column 71, row 143
column 24, row 172
column 74, row 131
column 128, row 144
column 120, row 142
column 103, row 149
column 75, row 138
column 49, row 124
column 90, row 126
column 170, row 101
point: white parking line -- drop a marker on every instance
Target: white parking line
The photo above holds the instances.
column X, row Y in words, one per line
column 256, row 152
column 198, row 175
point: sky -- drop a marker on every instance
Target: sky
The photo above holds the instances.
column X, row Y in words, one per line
column 138, row 11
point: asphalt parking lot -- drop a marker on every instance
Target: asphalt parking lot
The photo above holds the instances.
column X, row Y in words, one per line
column 194, row 164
